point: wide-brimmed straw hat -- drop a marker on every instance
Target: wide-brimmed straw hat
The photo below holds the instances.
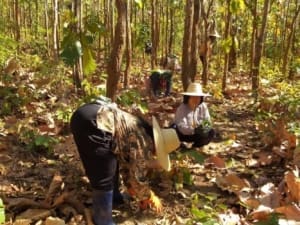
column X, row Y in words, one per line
column 195, row 89
column 166, row 141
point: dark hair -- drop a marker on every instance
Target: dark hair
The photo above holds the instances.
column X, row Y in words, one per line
column 148, row 128
column 187, row 97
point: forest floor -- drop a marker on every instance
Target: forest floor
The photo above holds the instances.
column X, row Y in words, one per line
column 221, row 180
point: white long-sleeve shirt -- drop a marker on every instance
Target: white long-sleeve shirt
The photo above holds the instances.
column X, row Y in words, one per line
column 187, row 119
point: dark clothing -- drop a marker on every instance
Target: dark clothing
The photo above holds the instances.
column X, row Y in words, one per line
column 94, row 147
column 198, row 140
column 107, row 137
column 161, row 82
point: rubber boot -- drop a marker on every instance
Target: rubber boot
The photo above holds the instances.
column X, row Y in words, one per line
column 102, row 207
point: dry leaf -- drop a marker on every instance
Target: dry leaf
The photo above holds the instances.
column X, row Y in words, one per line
column 291, row 212
column 216, row 161
column 232, row 183
column 261, row 213
column 293, row 185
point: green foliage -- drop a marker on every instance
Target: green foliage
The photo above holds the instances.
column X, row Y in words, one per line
column 36, row 142
column 88, row 61
column 91, row 91
column 139, row 3
column 2, row 212
column 64, row 114
column 205, row 208
column 273, row 219
column 7, row 48
column 130, row 97
column 80, row 44
column 237, row 6
column 226, row 44
column 11, row 101
column 143, row 34
column 197, row 156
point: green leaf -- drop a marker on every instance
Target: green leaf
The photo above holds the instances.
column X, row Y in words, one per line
column 72, row 50
column 139, row 3
column 237, row 6
column 187, row 176
column 88, row 62
column 198, row 157
column 2, row 212
column 198, row 214
column 273, row 219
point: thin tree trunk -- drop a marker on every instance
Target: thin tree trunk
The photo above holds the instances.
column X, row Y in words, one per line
column 289, row 42
column 55, row 29
column 17, row 20
column 47, row 27
column 171, row 35
column 226, row 36
column 253, row 35
column 77, row 69
column 115, row 61
column 128, row 45
column 195, row 40
column 259, row 42
column 154, row 32
column 186, row 47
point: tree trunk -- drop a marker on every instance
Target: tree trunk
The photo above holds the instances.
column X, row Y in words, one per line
column 55, row 29
column 154, row 33
column 171, row 35
column 115, row 61
column 128, row 45
column 17, row 20
column 186, row 47
column 77, row 69
column 259, row 42
column 253, row 35
column 195, row 40
column 226, row 36
column 289, row 42
column 47, row 27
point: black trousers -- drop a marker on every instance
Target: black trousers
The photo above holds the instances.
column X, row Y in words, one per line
column 95, row 148
column 197, row 139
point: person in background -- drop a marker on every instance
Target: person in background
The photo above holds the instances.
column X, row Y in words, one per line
column 161, row 82
column 111, row 141
column 192, row 118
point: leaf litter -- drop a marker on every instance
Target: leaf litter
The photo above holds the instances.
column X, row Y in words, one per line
column 242, row 177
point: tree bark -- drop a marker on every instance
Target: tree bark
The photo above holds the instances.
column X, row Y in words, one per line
column 195, row 40
column 289, row 42
column 55, row 30
column 226, row 36
column 47, row 27
column 154, row 33
column 259, row 42
column 186, row 47
column 115, row 61
column 17, row 20
column 128, row 46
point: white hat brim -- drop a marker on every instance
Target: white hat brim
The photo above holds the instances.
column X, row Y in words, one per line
column 161, row 136
column 162, row 156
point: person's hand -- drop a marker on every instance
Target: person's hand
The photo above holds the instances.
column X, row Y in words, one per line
column 153, row 202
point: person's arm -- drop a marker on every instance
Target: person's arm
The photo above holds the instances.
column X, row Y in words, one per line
column 182, row 122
